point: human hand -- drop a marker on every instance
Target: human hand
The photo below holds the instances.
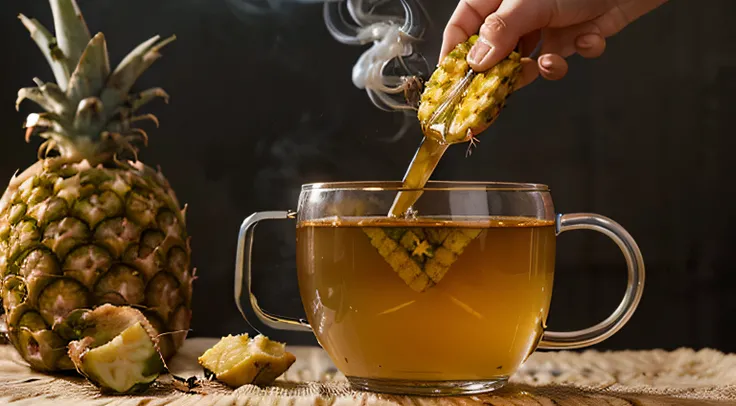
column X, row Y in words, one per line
column 565, row 27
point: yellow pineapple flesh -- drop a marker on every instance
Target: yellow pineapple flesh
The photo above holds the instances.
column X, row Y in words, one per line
column 459, row 119
column 239, row 360
column 477, row 107
column 119, row 349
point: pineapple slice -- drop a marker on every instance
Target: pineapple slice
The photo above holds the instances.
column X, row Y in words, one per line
column 239, row 360
column 421, row 256
column 478, row 107
column 119, row 350
column 465, row 117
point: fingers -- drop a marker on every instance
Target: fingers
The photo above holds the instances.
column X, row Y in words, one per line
column 465, row 21
column 529, row 67
column 552, row 66
column 502, row 30
column 624, row 14
column 563, row 41
column 590, row 45
column 558, row 44
column 529, row 42
column 549, row 66
column 529, row 73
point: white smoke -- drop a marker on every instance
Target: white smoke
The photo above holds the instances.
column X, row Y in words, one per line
column 389, row 70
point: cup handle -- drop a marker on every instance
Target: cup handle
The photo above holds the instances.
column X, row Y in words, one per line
column 622, row 314
column 249, row 308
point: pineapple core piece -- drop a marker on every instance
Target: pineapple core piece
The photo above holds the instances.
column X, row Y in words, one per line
column 239, row 360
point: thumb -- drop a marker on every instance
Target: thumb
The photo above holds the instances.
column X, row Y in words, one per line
column 501, row 31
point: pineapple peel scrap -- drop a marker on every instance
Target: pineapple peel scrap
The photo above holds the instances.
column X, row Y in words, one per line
column 457, row 103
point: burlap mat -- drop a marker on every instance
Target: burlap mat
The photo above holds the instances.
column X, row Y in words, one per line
column 682, row 377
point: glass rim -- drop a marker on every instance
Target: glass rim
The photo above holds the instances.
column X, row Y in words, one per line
column 432, row 185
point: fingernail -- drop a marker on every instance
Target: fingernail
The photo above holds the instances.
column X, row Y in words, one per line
column 586, row 41
column 546, row 63
column 479, row 51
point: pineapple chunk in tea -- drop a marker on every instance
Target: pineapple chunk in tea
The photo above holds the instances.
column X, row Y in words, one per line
column 427, row 299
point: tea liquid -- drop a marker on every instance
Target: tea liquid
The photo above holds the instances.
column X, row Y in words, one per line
column 479, row 321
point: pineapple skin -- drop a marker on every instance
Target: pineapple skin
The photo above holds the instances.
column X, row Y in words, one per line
column 482, row 102
column 83, row 226
column 76, row 237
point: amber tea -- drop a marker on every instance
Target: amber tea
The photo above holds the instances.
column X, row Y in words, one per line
column 425, row 299
column 449, row 300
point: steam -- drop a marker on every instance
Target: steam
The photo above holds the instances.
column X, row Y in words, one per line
column 266, row 6
column 389, row 69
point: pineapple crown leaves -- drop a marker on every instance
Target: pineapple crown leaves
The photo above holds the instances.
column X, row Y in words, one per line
column 90, row 111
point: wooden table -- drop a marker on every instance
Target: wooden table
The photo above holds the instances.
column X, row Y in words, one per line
column 682, row 377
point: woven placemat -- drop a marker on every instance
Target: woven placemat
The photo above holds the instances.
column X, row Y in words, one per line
column 681, row 377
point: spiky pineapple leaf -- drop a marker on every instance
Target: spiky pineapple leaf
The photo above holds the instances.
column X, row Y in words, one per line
column 35, row 94
column 145, row 97
column 72, row 34
column 54, row 96
column 50, row 49
column 89, row 116
column 128, row 71
column 91, row 107
column 92, row 71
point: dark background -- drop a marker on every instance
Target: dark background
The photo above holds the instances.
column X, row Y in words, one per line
column 262, row 103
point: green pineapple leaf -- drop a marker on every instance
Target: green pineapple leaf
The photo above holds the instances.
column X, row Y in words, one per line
column 91, row 73
column 72, row 34
column 145, row 97
column 50, row 49
column 128, row 71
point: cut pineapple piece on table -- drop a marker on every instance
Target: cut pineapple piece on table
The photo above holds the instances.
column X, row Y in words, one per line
column 239, row 360
column 119, row 350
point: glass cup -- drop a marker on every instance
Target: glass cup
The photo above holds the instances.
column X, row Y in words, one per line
column 449, row 300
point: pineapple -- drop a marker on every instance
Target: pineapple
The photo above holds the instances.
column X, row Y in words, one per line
column 463, row 118
column 85, row 226
column 420, row 256
column 118, row 349
column 239, row 360
column 478, row 107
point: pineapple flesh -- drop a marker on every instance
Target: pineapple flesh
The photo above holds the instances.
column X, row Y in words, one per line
column 475, row 110
column 478, row 107
column 89, row 224
column 240, row 360
column 119, row 350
